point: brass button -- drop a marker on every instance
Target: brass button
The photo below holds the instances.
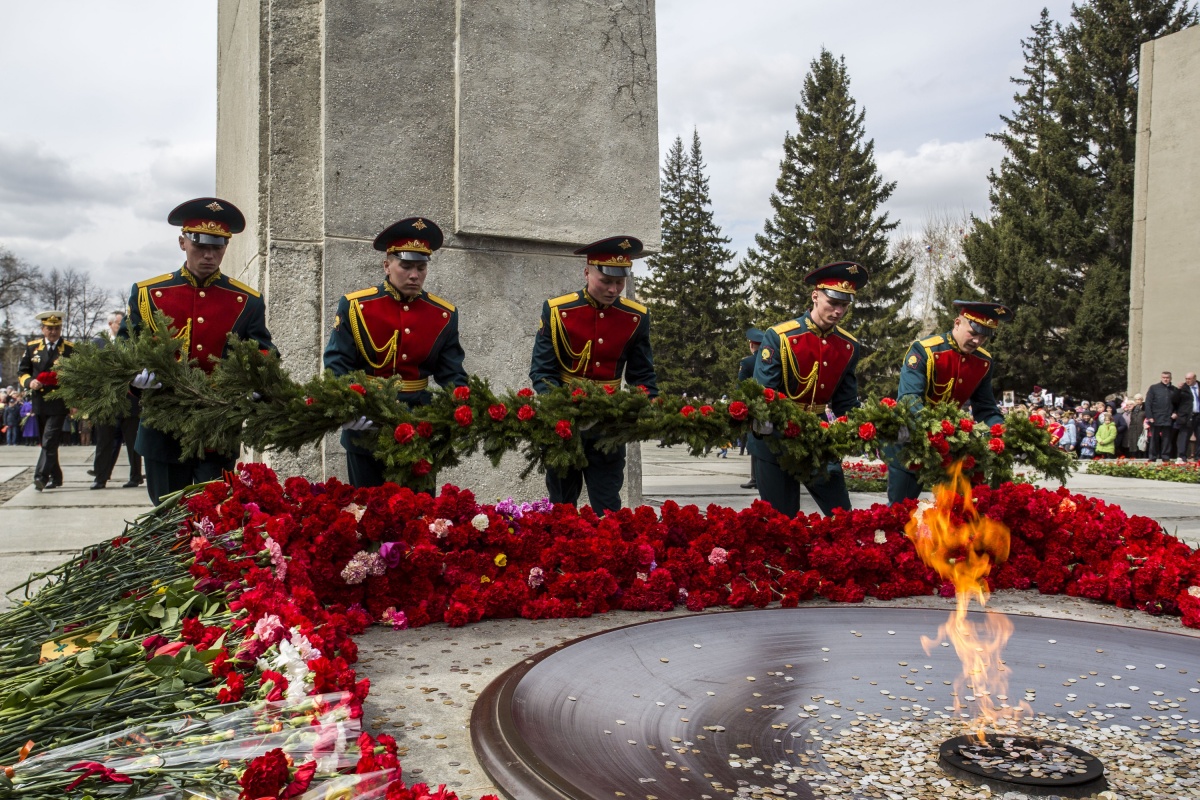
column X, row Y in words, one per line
column 241, row 299
column 202, row 294
column 406, row 330
column 824, row 341
column 199, row 347
column 404, row 356
column 406, row 308
column 822, row 386
column 601, row 315
column 564, row 315
column 200, row 319
column 597, row 363
column 158, row 294
column 824, row 363
column 599, row 341
column 445, row 314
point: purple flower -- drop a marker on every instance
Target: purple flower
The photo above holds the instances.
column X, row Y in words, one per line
column 392, row 553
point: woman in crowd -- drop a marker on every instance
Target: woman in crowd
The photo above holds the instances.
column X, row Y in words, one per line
column 29, row 424
column 1137, row 426
column 1069, row 439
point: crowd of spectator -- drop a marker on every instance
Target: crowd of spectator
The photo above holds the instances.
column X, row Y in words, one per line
column 1159, row 425
column 19, row 425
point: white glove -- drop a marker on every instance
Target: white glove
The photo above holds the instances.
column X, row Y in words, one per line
column 587, row 426
column 360, row 424
column 145, row 380
column 902, row 435
column 765, row 428
column 255, row 396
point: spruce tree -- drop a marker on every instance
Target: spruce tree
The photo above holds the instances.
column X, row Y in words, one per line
column 826, row 205
column 1058, row 242
column 692, row 294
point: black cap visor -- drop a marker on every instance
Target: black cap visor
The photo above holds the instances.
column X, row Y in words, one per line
column 978, row 329
column 409, row 255
column 841, row 297
column 207, row 238
column 614, row 272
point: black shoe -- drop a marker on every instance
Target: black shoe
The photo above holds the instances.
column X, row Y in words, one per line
column 52, row 485
column 38, row 482
column 92, row 472
column 750, row 485
column 98, row 484
column 133, row 483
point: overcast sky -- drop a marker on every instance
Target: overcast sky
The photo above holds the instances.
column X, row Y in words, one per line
column 108, row 110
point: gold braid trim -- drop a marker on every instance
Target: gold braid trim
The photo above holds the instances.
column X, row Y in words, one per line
column 146, row 309
column 808, row 383
column 358, row 325
column 935, row 393
column 558, row 337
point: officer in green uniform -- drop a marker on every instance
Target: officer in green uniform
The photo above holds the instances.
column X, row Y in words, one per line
column 949, row 367
column 746, row 371
column 595, row 335
column 36, row 373
column 204, row 306
column 396, row 329
column 811, row 360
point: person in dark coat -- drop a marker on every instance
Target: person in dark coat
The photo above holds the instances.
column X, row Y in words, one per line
column 204, row 306
column 1137, row 424
column 110, row 437
column 1187, row 415
column 1160, row 413
column 38, row 375
column 746, row 371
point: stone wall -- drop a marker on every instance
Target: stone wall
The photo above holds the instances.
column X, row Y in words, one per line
column 1165, row 273
column 523, row 129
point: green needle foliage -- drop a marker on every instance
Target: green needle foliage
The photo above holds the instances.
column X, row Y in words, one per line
column 827, row 205
column 693, row 294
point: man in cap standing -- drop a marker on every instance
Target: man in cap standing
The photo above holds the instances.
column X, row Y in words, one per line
column 595, row 335
column 811, row 360
column 754, row 338
column 396, row 329
column 204, row 306
column 950, row 367
column 38, row 375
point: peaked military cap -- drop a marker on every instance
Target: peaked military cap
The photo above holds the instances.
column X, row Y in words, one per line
column 51, row 319
column 208, row 220
column 984, row 318
column 839, row 280
column 613, row 256
column 754, row 335
column 413, row 239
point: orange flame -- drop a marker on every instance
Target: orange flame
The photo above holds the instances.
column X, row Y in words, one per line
column 963, row 553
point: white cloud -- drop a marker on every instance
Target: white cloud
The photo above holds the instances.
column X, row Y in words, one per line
column 939, row 177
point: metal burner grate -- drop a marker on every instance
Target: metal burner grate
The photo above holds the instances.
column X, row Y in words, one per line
column 1024, row 761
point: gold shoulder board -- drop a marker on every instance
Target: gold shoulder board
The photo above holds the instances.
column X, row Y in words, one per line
column 785, row 327
column 32, row 342
column 636, row 306
column 446, row 304
column 362, row 293
column 932, row 341
column 152, row 281
column 983, row 353
column 566, row 298
column 243, row 287
column 847, row 334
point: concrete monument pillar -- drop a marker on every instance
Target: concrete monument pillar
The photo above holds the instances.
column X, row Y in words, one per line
column 1165, row 273
column 523, row 129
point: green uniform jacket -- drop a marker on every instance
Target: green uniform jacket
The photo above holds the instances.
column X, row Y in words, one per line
column 203, row 314
column 935, row 370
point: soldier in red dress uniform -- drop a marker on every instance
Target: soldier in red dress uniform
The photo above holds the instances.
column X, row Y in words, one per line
column 599, row 336
column 811, row 360
column 204, row 306
column 950, row 367
column 396, row 329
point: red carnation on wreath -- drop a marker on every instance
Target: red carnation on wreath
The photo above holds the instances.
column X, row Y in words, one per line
column 687, row 411
column 948, row 427
column 866, row 431
column 265, row 775
column 843, row 419
column 769, row 395
column 498, row 411
column 425, row 429
column 463, row 414
column 968, row 462
column 404, row 433
column 608, row 389
column 462, row 392
column 996, row 445
column 738, row 410
column 890, row 402
column 966, row 425
column 563, row 428
column 1038, row 419
column 997, row 429
column 48, row 378
column 525, row 413
column 705, row 410
column 824, row 424
column 421, row 468
column 308, row 401
column 357, row 387
column 577, row 392
column 526, row 392
column 791, row 430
